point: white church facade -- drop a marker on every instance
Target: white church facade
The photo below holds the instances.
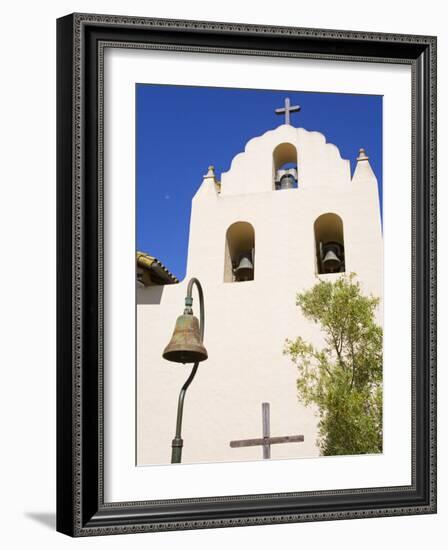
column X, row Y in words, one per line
column 287, row 213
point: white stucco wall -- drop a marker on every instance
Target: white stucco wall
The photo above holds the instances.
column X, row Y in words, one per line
column 247, row 323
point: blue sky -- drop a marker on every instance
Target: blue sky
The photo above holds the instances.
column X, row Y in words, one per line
column 181, row 130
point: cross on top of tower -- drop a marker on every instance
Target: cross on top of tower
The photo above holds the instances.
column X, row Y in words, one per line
column 287, row 110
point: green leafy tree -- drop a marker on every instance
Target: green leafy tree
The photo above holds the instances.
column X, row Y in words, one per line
column 344, row 378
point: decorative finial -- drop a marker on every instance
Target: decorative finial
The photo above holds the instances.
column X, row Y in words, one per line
column 211, row 175
column 211, row 172
column 287, row 110
column 362, row 154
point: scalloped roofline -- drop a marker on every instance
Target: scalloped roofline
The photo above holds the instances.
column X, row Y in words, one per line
column 274, row 130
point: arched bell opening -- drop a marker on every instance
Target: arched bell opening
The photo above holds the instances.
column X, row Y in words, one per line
column 239, row 262
column 285, row 167
column 329, row 240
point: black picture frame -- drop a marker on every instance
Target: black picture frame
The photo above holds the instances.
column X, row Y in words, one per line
column 81, row 510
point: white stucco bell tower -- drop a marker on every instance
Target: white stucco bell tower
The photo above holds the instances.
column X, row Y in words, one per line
column 287, row 212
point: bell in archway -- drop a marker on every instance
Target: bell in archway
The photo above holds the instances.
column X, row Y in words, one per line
column 186, row 345
column 331, row 261
column 245, row 269
column 286, row 178
column 287, row 182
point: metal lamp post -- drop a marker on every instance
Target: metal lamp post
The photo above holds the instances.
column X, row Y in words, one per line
column 186, row 346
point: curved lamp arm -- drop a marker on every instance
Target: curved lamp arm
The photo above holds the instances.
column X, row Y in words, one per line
column 193, row 281
column 177, row 443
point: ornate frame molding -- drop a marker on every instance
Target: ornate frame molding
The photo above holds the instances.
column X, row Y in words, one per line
column 81, row 42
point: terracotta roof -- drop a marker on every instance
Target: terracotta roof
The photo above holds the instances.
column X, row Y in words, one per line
column 153, row 271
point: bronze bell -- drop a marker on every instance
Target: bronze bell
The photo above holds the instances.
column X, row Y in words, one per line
column 331, row 260
column 186, row 345
column 245, row 269
column 287, row 182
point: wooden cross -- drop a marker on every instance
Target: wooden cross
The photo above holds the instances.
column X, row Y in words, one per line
column 287, row 110
column 266, row 441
